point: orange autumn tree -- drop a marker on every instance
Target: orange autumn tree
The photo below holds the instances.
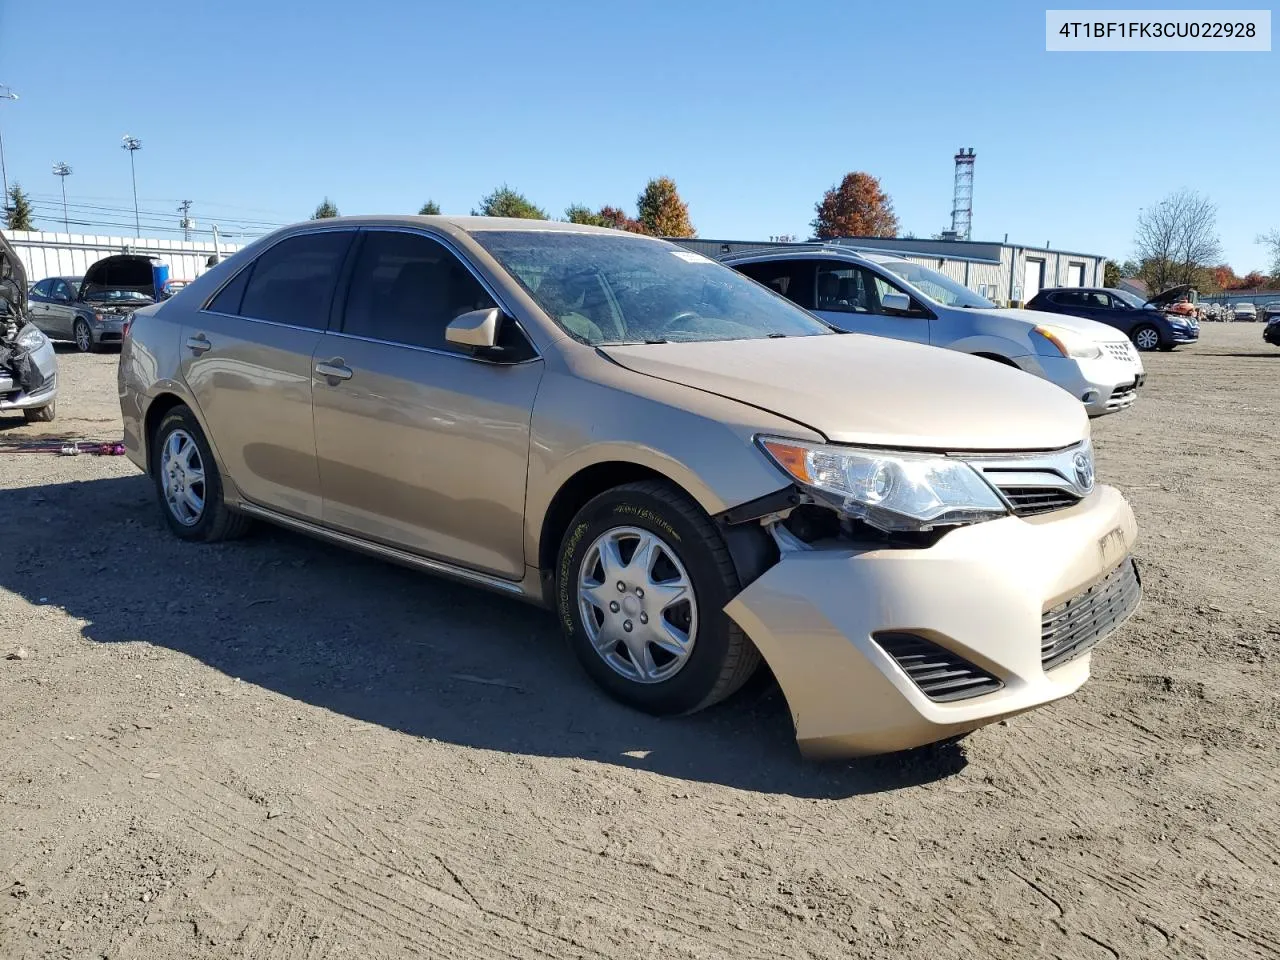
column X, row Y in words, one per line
column 855, row 207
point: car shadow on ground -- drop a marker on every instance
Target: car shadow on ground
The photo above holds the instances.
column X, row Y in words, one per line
column 390, row 646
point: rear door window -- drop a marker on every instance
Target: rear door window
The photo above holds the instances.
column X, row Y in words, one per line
column 293, row 282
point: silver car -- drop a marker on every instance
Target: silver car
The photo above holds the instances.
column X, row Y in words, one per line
column 28, row 365
column 91, row 311
column 887, row 296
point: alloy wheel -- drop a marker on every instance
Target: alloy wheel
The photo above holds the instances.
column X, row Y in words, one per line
column 182, row 478
column 1147, row 338
column 84, row 339
column 637, row 604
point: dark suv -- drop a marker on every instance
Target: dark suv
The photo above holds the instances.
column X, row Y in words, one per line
column 1143, row 321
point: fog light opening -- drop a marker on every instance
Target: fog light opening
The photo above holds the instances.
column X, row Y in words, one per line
column 1089, row 396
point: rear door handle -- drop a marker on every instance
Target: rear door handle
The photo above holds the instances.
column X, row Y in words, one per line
column 334, row 369
column 199, row 344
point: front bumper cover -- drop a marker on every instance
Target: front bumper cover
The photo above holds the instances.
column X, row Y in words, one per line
column 981, row 592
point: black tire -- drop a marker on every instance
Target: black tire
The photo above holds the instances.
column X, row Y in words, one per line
column 1143, row 334
column 216, row 522
column 1168, row 347
column 82, row 334
column 722, row 658
column 45, row 414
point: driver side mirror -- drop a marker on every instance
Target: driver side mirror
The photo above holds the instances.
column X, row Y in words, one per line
column 895, row 302
column 63, row 298
column 477, row 330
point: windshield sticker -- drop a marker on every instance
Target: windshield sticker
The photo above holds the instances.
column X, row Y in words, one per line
column 688, row 257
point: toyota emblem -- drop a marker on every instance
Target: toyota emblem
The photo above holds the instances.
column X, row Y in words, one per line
column 1083, row 464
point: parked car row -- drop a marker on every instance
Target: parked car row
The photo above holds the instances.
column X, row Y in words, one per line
column 1151, row 324
column 695, row 471
column 888, row 296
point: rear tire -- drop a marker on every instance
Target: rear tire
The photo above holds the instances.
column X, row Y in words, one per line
column 1145, row 337
column 45, row 414
column 714, row 660
column 188, row 485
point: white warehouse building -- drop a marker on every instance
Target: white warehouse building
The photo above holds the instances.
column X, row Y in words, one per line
column 1004, row 272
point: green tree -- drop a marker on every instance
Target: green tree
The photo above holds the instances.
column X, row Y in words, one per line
column 1110, row 274
column 507, row 202
column 661, row 211
column 325, row 210
column 430, row 209
column 577, row 213
column 855, row 207
column 19, row 210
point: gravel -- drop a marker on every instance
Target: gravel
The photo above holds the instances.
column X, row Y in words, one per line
column 379, row 764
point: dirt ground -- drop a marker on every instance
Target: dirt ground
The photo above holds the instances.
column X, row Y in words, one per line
column 274, row 748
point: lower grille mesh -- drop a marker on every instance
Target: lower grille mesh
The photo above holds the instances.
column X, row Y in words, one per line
column 1071, row 628
column 1028, row 501
column 940, row 674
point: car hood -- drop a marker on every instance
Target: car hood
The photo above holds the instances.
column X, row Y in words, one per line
column 874, row 391
column 1095, row 331
column 124, row 271
column 1167, row 297
column 18, row 273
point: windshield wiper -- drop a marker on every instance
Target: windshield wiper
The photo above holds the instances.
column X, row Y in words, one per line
column 777, row 336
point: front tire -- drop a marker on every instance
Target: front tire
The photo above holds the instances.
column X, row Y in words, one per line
column 1146, row 338
column 45, row 414
column 188, row 485
column 83, row 336
column 641, row 583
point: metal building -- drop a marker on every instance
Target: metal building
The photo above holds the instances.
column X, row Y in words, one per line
column 70, row 254
column 1007, row 273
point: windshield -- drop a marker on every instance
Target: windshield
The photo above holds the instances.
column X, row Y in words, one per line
column 99, row 293
column 936, row 286
column 1129, row 298
column 605, row 289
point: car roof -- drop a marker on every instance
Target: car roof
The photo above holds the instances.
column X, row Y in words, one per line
column 472, row 224
column 813, row 251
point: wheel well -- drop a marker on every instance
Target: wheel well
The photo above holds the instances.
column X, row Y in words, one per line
column 997, row 358
column 155, row 413
column 573, row 496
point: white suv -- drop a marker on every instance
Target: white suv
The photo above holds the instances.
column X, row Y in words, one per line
column 887, row 296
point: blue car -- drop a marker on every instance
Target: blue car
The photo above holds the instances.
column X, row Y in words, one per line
column 1143, row 321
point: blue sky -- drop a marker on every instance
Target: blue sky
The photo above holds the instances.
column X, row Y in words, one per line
column 258, row 110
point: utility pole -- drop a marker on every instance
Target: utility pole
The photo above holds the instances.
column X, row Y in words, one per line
column 184, row 208
column 6, row 93
column 62, row 171
column 133, row 145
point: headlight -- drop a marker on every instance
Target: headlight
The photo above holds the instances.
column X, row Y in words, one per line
column 31, row 339
column 1054, row 341
column 891, row 491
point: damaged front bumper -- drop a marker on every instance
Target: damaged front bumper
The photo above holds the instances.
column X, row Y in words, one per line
column 987, row 596
column 41, row 388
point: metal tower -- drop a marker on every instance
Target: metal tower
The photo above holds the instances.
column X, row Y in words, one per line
column 962, row 201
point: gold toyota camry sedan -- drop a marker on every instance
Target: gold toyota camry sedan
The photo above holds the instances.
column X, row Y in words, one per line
column 693, row 472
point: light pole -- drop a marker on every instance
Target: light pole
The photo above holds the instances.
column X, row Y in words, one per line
column 6, row 93
column 62, row 171
column 133, row 145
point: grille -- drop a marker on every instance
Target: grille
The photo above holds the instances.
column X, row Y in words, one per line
column 1029, row 501
column 940, row 674
column 1071, row 628
column 1122, row 396
column 1121, row 351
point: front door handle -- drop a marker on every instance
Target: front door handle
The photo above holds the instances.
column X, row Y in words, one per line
column 199, row 344
column 334, row 369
